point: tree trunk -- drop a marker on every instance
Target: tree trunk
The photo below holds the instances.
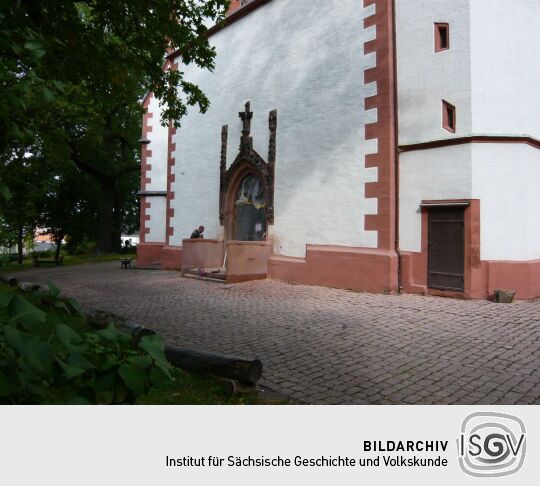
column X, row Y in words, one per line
column 106, row 210
column 242, row 370
column 20, row 246
column 58, row 247
column 116, row 236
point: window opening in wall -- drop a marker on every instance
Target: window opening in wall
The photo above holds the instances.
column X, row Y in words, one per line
column 449, row 116
column 250, row 222
column 442, row 37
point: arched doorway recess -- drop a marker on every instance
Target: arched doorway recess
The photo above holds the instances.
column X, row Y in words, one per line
column 247, row 187
column 249, row 221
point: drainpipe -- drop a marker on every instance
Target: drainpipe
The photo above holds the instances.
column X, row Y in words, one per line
column 396, row 146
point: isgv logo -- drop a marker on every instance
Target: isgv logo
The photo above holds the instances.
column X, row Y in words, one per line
column 491, row 444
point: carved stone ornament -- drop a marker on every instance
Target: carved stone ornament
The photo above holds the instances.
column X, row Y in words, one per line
column 249, row 161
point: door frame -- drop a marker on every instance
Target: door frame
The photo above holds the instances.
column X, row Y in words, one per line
column 474, row 270
column 244, row 169
column 432, row 210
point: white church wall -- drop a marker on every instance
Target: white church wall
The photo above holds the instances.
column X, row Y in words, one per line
column 505, row 179
column 158, row 145
column 503, row 176
column 434, row 174
column 158, row 137
column 157, row 223
column 505, row 67
column 308, row 64
column 426, row 77
column 490, row 73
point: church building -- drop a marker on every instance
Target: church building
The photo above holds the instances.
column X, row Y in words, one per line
column 372, row 145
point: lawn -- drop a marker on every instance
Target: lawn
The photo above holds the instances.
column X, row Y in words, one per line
column 69, row 260
column 192, row 389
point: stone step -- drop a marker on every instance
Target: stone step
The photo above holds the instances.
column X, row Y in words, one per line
column 206, row 279
column 148, row 267
column 216, row 275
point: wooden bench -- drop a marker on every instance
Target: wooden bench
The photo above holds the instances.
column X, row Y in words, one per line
column 125, row 263
column 47, row 261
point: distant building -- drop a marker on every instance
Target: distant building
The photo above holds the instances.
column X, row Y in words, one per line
column 380, row 149
column 133, row 240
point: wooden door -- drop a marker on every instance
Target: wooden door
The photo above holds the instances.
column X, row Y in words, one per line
column 446, row 256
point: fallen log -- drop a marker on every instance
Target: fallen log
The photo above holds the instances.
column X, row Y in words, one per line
column 237, row 369
column 10, row 280
column 242, row 371
column 29, row 286
column 137, row 331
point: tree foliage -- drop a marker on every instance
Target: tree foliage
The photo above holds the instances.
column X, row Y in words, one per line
column 73, row 75
column 45, row 359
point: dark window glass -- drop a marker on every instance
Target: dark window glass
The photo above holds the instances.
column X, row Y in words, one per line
column 250, row 210
column 442, row 37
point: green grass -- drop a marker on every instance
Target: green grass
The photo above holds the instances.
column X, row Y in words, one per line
column 68, row 260
column 192, row 389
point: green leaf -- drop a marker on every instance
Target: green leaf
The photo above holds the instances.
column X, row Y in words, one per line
column 17, row 49
column 134, row 378
column 55, row 291
column 40, row 356
column 35, row 47
column 61, row 305
column 106, row 361
column 79, row 361
column 155, row 347
column 17, row 339
column 74, row 306
column 121, row 392
column 70, row 371
column 4, row 192
column 105, row 382
column 78, row 401
column 5, row 386
column 143, row 362
column 67, row 336
column 25, row 313
column 5, row 299
column 111, row 333
column 58, row 85
column 48, row 95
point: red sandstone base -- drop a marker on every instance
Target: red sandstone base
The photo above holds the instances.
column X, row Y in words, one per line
column 149, row 254
column 171, row 258
column 367, row 270
column 202, row 253
column 247, row 260
column 359, row 269
column 485, row 278
column 482, row 277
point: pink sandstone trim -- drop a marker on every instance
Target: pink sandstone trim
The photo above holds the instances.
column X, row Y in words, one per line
column 171, row 147
column 145, row 168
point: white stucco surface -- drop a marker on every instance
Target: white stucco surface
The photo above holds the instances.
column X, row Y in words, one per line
column 158, row 145
column 158, row 137
column 441, row 173
column 505, row 178
column 426, row 77
column 505, row 56
column 491, row 74
column 304, row 59
column 157, row 223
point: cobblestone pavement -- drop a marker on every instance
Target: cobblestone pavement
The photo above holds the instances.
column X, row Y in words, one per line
column 330, row 346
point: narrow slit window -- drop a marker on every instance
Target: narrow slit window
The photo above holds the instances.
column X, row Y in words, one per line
column 449, row 116
column 442, row 37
